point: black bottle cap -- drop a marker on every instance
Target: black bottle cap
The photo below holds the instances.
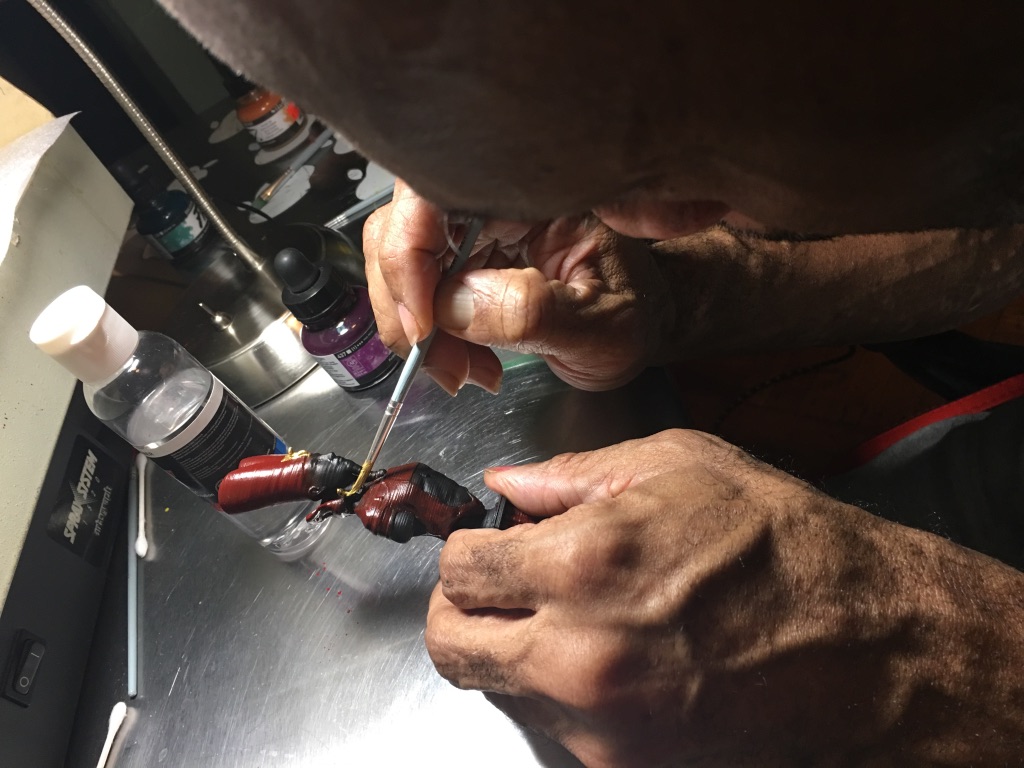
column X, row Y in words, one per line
column 313, row 292
column 236, row 84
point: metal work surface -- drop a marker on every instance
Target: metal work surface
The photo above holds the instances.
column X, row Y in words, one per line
column 250, row 661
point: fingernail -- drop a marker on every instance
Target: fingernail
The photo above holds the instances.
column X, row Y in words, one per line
column 489, row 381
column 409, row 324
column 445, row 380
column 455, row 310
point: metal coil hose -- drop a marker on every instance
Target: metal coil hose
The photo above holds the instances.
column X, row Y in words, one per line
column 179, row 169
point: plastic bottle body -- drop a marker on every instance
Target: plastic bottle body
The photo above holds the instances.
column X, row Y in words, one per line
column 347, row 345
column 173, row 410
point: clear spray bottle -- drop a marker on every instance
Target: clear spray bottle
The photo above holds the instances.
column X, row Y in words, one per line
column 150, row 391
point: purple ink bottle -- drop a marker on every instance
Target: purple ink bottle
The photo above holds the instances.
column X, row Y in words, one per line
column 339, row 328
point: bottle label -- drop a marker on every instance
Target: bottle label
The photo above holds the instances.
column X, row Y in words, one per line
column 90, row 492
column 337, row 371
column 185, row 232
column 278, row 120
column 222, row 434
column 358, row 365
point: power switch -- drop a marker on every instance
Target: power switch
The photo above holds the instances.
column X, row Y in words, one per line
column 25, row 674
column 23, row 664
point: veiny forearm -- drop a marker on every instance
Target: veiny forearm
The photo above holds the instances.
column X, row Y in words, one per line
column 736, row 292
column 864, row 643
column 959, row 696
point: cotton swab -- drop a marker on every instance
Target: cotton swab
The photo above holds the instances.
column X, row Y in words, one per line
column 117, row 715
column 141, row 543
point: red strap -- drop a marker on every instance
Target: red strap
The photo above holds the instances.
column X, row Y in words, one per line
column 977, row 402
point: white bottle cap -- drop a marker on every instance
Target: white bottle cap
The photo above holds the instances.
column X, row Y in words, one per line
column 81, row 332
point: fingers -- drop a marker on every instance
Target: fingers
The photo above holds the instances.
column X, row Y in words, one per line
column 575, row 308
column 512, row 308
column 493, row 569
column 587, row 332
column 521, row 654
column 403, row 242
column 579, row 307
column 570, row 479
column 481, row 651
column 530, row 567
column 485, row 369
column 544, row 489
column 605, row 507
column 452, row 363
column 447, row 362
column 515, row 653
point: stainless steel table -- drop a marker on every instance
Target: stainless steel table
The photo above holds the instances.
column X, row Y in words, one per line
column 250, row 661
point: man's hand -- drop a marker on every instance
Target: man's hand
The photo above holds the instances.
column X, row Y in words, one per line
column 600, row 306
column 591, row 302
column 684, row 602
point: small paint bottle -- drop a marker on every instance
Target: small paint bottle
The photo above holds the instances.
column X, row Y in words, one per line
column 169, row 219
column 173, row 223
column 339, row 329
column 270, row 119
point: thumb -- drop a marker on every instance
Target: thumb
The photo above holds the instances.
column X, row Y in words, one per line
column 568, row 480
column 514, row 308
column 538, row 489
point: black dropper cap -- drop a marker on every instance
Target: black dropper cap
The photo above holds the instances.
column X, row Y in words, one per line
column 237, row 85
column 313, row 292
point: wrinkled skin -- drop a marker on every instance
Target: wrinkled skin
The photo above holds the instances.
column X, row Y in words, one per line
column 543, row 289
column 843, row 117
column 599, row 306
column 686, row 604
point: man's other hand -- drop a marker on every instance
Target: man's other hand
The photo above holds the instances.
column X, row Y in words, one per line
column 684, row 602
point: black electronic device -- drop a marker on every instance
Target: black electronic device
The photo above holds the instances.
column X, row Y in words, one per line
column 49, row 615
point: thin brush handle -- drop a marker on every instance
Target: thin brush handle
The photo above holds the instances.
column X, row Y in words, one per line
column 412, row 364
